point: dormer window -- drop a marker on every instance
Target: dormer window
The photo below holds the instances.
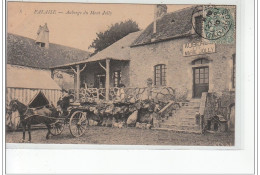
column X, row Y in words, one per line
column 198, row 24
column 41, row 44
column 197, row 21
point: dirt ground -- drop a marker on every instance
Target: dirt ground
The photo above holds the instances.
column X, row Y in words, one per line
column 126, row 136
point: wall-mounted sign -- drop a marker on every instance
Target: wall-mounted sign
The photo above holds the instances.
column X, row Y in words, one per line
column 198, row 48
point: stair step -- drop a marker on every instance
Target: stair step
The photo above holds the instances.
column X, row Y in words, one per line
column 178, row 130
column 189, row 108
column 197, row 105
column 186, row 112
column 179, row 126
column 195, row 100
column 180, row 121
column 182, row 117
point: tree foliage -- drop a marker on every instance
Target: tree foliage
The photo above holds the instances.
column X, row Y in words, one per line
column 113, row 34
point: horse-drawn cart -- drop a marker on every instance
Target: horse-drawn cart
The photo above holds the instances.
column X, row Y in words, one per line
column 79, row 114
column 105, row 113
column 76, row 118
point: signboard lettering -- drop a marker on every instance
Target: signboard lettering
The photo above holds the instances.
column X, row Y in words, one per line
column 198, row 48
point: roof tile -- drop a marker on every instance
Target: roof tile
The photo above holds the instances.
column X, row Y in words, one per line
column 171, row 25
column 24, row 52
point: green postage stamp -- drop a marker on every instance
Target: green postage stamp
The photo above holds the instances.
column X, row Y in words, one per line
column 219, row 24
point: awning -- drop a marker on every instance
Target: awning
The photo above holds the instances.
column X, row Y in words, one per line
column 38, row 100
column 119, row 51
column 24, row 77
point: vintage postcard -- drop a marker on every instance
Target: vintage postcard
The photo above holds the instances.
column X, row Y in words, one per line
column 120, row 74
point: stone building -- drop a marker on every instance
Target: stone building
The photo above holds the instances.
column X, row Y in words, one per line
column 163, row 56
column 172, row 52
column 164, row 52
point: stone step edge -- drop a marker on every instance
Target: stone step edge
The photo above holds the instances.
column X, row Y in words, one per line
column 188, row 108
column 179, row 124
column 178, row 130
column 181, row 118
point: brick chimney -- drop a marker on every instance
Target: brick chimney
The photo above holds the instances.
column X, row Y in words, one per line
column 43, row 36
column 159, row 11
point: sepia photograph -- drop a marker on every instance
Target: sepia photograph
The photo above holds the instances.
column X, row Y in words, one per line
column 120, row 74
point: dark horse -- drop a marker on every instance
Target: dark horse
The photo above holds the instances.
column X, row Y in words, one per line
column 30, row 116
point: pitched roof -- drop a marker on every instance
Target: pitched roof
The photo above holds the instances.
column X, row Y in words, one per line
column 23, row 51
column 24, row 77
column 119, row 50
column 169, row 26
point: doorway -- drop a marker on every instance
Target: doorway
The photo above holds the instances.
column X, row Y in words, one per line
column 200, row 81
column 100, row 80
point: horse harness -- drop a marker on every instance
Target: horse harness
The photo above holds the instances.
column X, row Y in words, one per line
column 33, row 114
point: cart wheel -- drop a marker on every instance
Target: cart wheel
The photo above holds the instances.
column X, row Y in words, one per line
column 78, row 123
column 57, row 128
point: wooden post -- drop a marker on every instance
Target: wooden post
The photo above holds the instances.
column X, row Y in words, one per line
column 77, row 73
column 78, row 82
column 107, row 78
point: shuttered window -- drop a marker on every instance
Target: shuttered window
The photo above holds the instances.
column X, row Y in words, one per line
column 117, row 78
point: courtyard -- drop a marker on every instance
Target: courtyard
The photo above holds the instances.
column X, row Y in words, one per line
column 126, row 136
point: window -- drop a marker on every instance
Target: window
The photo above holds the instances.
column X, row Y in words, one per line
column 117, row 78
column 41, row 44
column 160, row 75
column 200, row 61
column 234, row 72
column 198, row 25
column 202, row 75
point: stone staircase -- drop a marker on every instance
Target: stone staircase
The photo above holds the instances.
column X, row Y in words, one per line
column 184, row 119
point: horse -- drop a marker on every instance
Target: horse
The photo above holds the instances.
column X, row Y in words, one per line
column 31, row 116
column 12, row 119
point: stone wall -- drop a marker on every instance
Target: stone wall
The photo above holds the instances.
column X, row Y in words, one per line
column 179, row 72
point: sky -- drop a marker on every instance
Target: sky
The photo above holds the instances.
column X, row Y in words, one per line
column 75, row 24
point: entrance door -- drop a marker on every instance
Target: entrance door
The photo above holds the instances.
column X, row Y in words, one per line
column 200, row 81
column 100, row 80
